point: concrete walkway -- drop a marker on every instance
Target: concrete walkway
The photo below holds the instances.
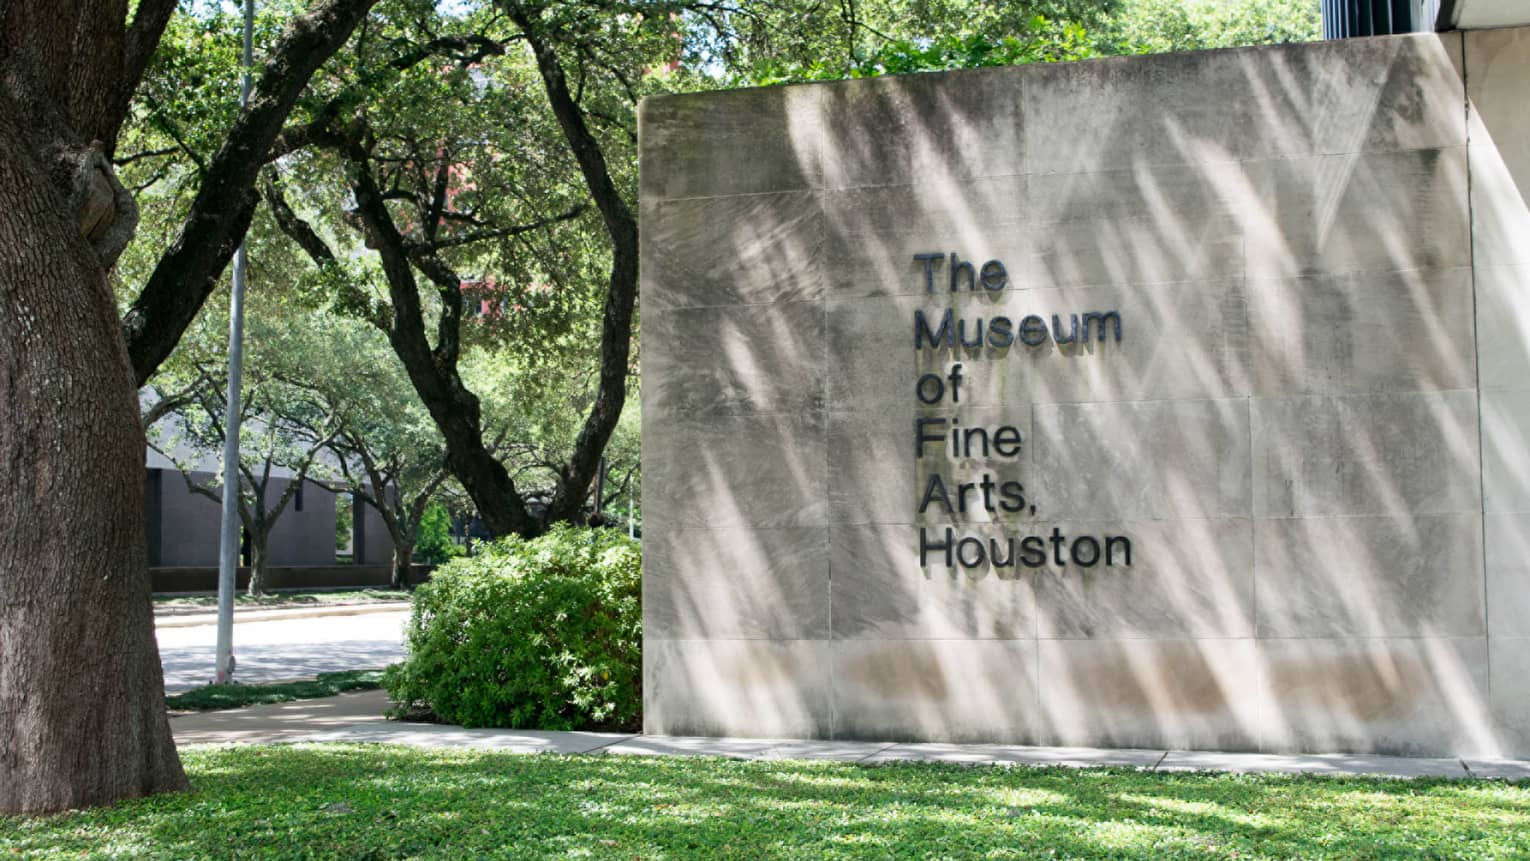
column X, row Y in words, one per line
column 282, row 722
column 357, row 717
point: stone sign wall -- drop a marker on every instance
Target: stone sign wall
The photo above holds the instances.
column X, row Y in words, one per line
column 1175, row 401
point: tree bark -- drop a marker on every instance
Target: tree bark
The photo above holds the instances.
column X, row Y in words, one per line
column 403, row 562
column 433, row 371
column 82, row 718
column 621, row 291
column 258, row 542
column 402, row 532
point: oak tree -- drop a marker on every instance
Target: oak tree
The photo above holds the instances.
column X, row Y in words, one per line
column 82, row 718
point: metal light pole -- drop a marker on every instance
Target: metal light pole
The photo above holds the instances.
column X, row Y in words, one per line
column 228, row 542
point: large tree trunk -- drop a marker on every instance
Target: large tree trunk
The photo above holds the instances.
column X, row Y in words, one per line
column 258, row 556
column 403, row 563
column 82, row 718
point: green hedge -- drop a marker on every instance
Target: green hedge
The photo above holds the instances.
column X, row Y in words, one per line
column 538, row 634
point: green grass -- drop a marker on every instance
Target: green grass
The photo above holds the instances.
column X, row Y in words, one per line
column 360, row 802
column 280, row 599
column 214, row 697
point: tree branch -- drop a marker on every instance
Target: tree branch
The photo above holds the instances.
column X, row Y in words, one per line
column 416, row 509
column 449, row 289
column 206, row 490
column 297, row 229
column 220, row 214
column 296, row 137
column 138, row 44
column 153, row 153
column 167, row 405
column 433, row 373
column 159, row 121
column 438, row 195
column 482, row 235
column 621, row 293
column 300, row 475
column 465, row 50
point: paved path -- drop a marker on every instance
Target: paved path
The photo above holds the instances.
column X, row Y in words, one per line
column 358, row 717
column 281, row 722
column 269, row 649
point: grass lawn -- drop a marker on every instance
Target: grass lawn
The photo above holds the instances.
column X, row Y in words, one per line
column 215, row 697
column 359, row 802
column 280, row 599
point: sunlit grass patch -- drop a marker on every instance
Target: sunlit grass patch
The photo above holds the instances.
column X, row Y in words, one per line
column 390, row 802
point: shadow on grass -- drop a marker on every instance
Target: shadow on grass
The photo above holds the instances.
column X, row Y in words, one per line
column 217, row 697
column 388, row 802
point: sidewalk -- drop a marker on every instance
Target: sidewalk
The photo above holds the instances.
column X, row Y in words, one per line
column 281, row 722
column 357, row 717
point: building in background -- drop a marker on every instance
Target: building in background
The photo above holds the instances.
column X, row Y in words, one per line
column 1344, row 19
column 182, row 527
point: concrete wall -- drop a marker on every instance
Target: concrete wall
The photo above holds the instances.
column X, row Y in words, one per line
column 188, row 524
column 376, row 545
column 305, row 537
column 1313, row 428
column 1498, row 80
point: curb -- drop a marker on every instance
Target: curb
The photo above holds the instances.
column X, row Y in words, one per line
column 190, row 621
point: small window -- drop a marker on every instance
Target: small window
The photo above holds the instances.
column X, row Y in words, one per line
column 297, row 499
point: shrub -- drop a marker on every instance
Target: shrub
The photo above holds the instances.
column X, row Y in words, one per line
column 433, row 545
column 538, row 634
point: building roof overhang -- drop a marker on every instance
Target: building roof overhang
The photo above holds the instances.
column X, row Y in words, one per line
column 1479, row 14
